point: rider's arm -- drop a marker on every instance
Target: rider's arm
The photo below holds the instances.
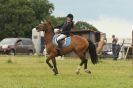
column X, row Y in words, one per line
column 66, row 28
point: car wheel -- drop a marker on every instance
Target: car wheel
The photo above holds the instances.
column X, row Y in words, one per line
column 12, row 52
column 30, row 52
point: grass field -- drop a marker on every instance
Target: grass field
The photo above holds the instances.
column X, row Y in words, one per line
column 32, row 72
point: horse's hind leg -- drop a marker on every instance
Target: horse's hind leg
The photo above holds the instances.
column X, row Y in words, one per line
column 83, row 61
column 80, row 65
column 85, row 66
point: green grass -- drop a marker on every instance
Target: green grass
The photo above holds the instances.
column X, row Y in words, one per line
column 31, row 72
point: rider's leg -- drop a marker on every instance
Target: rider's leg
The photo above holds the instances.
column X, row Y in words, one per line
column 61, row 37
column 56, row 31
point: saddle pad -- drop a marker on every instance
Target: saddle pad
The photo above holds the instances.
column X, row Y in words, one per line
column 66, row 43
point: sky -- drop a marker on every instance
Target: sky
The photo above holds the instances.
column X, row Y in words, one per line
column 108, row 16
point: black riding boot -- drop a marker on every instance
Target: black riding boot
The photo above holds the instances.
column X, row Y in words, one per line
column 59, row 45
column 59, row 48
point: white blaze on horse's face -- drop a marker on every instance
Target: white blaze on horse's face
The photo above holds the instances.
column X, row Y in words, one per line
column 41, row 26
column 104, row 40
column 42, row 22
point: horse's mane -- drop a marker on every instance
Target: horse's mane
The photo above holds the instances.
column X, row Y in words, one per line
column 49, row 22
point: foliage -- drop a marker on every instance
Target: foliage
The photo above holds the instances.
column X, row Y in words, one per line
column 56, row 20
column 60, row 20
column 80, row 25
column 18, row 17
column 28, row 72
column 42, row 8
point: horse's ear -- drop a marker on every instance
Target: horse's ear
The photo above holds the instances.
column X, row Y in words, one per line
column 49, row 22
column 44, row 21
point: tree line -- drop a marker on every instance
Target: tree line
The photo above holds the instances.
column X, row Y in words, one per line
column 18, row 17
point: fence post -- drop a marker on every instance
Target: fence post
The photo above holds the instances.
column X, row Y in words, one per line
column 132, row 47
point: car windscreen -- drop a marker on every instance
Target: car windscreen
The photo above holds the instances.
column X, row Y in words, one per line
column 8, row 41
column 107, row 47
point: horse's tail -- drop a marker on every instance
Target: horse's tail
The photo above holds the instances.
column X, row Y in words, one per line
column 92, row 51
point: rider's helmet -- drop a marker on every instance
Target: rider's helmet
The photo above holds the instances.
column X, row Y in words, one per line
column 70, row 16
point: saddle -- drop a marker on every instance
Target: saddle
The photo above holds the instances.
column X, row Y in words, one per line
column 65, row 42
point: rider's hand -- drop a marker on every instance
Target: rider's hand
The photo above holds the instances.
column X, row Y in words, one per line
column 60, row 30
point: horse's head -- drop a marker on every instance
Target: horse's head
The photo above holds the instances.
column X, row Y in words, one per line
column 101, row 44
column 103, row 41
column 43, row 26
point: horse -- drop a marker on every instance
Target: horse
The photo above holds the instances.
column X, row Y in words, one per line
column 101, row 44
column 79, row 45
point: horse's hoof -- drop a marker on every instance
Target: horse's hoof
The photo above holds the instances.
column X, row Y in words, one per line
column 55, row 71
column 56, row 74
column 88, row 71
column 77, row 72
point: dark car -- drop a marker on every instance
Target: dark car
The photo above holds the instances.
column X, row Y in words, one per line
column 17, row 45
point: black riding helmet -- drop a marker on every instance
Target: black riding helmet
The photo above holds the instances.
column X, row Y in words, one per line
column 70, row 16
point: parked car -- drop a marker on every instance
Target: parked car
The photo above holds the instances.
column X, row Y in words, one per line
column 17, row 45
column 107, row 50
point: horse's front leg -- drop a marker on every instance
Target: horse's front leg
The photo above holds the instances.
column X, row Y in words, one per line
column 49, row 64
column 55, row 66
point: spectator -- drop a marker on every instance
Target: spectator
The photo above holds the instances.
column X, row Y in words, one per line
column 114, row 47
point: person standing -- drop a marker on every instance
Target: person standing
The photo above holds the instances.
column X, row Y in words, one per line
column 114, row 47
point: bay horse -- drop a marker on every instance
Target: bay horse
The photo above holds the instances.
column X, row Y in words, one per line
column 79, row 45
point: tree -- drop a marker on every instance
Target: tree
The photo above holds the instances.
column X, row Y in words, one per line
column 55, row 21
column 80, row 25
column 18, row 17
column 42, row 8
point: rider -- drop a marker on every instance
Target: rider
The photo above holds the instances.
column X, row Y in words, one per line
column 65, row 29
